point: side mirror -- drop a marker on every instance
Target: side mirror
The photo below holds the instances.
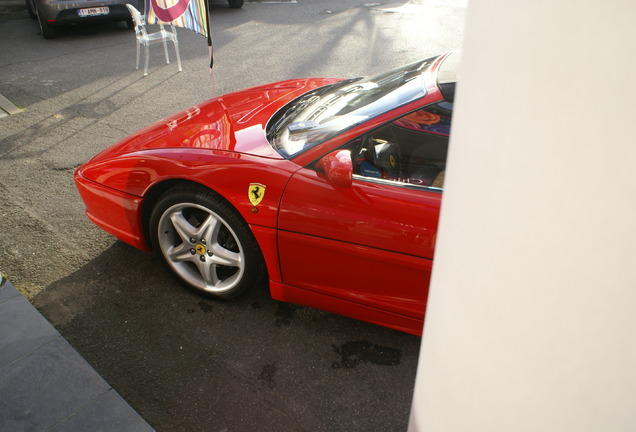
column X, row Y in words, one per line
column 338, row 167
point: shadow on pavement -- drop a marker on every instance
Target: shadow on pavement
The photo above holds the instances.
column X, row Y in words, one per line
column 188, row 363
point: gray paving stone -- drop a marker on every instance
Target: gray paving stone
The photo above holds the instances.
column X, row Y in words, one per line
column 7, row 290
column 109, row 413
column 22, row 329
column 46, row 387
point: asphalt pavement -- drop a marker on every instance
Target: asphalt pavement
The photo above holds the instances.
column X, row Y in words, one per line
column 45, row 384
column 7, row 6
column 182, row 362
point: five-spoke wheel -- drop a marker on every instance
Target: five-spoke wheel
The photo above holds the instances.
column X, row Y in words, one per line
column 205, row 243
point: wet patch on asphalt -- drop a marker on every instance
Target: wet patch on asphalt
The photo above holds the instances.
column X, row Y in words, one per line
column 354, row 352
column 268, row 374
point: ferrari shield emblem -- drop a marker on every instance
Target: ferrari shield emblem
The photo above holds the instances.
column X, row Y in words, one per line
column 256, row 193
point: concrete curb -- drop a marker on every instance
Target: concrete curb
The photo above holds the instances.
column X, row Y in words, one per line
column 45, row 384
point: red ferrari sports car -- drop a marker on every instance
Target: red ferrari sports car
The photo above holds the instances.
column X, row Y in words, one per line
column 328, row 188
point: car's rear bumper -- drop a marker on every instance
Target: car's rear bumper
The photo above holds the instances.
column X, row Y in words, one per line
column 116, row 13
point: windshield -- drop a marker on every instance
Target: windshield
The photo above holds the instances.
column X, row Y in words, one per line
column 325, row 112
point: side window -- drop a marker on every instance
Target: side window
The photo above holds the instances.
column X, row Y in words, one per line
column 411, row 149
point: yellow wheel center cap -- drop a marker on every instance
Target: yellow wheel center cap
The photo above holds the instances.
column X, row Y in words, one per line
column 200, row 249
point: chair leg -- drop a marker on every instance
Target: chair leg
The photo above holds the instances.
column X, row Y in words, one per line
column 146, row 60
column 165, row 50
column 137, row 62
column 176, row 50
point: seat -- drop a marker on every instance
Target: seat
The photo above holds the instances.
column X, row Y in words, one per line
column 146, row 39
column 387, row 158
column 439, row 181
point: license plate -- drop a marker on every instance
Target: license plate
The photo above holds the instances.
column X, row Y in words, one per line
column 93, row 11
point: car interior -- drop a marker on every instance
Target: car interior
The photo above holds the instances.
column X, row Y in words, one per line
column 405, row 151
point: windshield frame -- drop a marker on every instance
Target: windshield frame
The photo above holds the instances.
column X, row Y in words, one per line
column 325, row 112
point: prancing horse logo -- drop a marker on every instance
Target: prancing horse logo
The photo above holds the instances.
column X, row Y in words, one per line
column 256, row 192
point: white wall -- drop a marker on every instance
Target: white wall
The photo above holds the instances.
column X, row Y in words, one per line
column 531, row 322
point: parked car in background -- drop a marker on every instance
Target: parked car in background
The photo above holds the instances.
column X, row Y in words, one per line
column 330, row 189
column 54, row 13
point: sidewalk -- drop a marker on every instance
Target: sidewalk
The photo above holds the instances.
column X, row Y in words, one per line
column 45, row 385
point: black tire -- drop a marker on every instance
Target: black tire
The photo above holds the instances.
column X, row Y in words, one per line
column 30, row 9
column 47, row 29
column 205, row 243
column 130, row 24
column 236, row 4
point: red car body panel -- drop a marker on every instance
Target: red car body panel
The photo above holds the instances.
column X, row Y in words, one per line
column 351, row 309
column 122, row 211
column 364, row 251
column 354, row 250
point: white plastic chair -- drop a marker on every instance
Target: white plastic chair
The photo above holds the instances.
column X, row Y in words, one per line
column 146, row 39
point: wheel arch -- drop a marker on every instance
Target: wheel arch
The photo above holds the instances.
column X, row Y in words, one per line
column 267, row 248
column 153, row 194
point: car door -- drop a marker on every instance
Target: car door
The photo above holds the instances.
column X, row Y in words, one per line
column 372, row 242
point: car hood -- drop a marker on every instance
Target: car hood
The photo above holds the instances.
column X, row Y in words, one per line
column 234, row 122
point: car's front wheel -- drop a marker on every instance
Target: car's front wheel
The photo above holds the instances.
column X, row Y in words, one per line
column 205, row 243
column 235, row 3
